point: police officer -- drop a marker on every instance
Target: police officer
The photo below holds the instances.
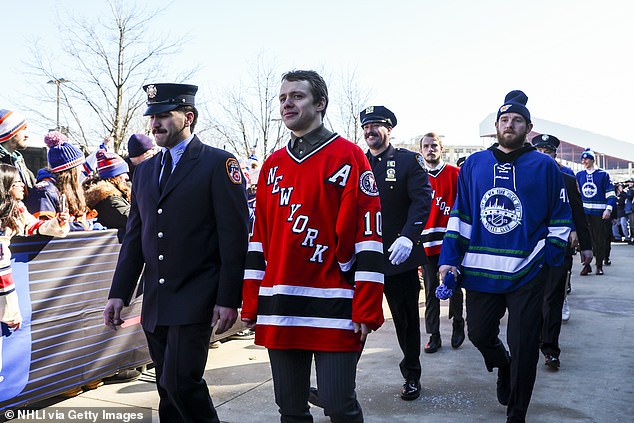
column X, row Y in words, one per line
column 405, row 195
column 188, row 225
column 555, row 307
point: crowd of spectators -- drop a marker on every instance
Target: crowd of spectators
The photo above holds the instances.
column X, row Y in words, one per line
column 622, row 216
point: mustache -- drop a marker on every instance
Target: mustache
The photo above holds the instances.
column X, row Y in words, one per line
column 372, row 134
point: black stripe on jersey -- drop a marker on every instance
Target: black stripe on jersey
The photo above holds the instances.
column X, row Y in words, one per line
column 370, row 261
column 293, row 305
column 434, row 236
column 255, row 261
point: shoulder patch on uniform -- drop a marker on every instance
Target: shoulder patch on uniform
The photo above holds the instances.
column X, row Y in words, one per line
column 367, row 183
column 233, row 171
column 420, row 160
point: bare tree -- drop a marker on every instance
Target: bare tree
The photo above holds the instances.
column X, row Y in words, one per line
column 350, row 99
column 106, row 61
column 247, row 119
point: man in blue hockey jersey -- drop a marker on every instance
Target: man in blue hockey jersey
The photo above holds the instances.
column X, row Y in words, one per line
column 597, row 193
column 510, row 222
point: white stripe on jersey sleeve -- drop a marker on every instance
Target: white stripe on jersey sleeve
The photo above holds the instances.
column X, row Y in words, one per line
column 255, row 246
column 560, row 232
column 369, row 277
column 254, row 274
column 457, row 225
column 347, row 266
column 432, row 243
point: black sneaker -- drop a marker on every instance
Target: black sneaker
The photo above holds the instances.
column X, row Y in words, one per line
column 607, row 261
column 457, row 335
column 433, row 344
column 504, row 384
column 411, row 390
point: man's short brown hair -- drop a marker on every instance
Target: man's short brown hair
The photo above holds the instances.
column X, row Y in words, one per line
column 318, row 86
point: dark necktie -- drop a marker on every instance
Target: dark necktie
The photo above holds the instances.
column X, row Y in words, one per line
column 373, row 161
column 167, row 170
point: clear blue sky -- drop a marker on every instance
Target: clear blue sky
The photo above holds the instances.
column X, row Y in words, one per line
column 439, row 65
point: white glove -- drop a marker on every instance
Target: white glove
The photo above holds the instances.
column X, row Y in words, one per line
column 400, row 249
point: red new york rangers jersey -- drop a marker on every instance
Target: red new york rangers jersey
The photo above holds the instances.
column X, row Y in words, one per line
column 444, row 183
column 314, row 259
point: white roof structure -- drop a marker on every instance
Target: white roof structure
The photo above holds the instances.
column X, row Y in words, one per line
column 598, row 143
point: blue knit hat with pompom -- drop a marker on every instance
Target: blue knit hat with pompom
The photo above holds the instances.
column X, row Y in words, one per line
column 62, row 155
column 587, row 154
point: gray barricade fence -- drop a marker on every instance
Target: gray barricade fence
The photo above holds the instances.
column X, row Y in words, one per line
column 62, row 286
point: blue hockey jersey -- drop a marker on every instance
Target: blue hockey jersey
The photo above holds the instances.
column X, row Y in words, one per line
column 510, row 218
column 597, row 191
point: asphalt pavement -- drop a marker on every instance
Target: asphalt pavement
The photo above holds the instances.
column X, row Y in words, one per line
column 594, row 384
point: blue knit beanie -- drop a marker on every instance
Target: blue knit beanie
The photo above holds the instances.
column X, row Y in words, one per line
column 62, row 155
column 587, row 154
column 45, row 173
column 515, row 102
column 110, row 165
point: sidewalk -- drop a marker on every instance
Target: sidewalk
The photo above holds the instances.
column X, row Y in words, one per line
column 594, row 384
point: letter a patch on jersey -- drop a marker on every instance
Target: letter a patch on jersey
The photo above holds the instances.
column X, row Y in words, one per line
column 340, row 177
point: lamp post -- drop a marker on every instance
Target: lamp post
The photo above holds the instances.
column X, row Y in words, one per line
column 58, row 82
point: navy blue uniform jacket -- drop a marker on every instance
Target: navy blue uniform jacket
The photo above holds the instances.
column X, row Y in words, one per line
column 192, row 238
column 405, row 195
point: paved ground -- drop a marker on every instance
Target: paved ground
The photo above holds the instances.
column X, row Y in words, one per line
column 594, row 384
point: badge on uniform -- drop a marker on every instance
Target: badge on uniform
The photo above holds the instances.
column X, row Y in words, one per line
column 233, row 171
column 391, row 175
column 391, row 163
column 151, row 91
column 420, row 161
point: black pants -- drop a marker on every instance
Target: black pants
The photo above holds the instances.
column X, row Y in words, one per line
column 600, row 237
column 402, row 291
column 432, row 303
column 180, row 354
column 484, row 312
column 336, row 374
column 608, row 238
column 554, row 294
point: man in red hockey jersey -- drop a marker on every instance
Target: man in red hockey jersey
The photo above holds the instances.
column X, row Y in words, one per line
column 313, row 283
column 444, row 182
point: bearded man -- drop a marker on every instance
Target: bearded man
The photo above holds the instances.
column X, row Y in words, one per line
column 510, row 223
